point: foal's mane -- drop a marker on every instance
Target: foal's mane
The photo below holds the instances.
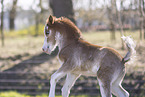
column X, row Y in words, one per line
column 69, row 27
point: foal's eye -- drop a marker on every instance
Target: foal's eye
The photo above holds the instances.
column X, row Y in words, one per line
column 47, row 32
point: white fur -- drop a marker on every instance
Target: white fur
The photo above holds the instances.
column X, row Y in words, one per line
column 131, row 48
column 77, row 60
column 95, row 68
column 119, row 91
column 48, row 47
column 45, row 44
column 59, row 39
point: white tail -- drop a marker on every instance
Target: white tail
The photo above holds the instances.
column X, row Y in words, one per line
column 131, row 48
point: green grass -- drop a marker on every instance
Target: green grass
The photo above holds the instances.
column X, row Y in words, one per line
column 12, row 94
column 16, row 94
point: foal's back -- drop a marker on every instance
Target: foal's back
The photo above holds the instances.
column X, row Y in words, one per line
column 89, row 58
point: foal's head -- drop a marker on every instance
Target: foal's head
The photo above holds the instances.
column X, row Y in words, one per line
column 49, row 33
column 56, row 27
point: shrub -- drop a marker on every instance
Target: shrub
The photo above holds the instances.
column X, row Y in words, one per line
column 27, row 31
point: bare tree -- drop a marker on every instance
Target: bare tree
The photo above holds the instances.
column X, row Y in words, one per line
column 119, row 18
column 119, row 21
column 36, row 24
column 141, row 4
column 143, row 15
column 111, row 16
column 12, row 15
column 38, row 17
column 62, row 8
column 2, row 13
column 88, row 15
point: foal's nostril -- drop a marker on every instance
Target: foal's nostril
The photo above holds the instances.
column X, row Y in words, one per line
column 42, row 49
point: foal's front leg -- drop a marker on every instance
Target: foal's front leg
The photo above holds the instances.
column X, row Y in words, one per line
column 70, row 80
column 54, row 78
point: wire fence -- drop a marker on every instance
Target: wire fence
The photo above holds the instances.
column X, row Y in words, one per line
column 32, row 84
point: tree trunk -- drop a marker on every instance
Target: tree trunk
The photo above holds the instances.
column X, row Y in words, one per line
column 36, row 24
column 112, row 25
column 141, row 6
column 12, row 15
column 38, row 17
column 2, row 13
column 62, row 8
column 41, row 12
column 120, row 24
column 111, row 12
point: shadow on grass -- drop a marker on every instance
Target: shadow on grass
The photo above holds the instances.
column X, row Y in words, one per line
column 21, row 78
column 31, row 62
column 23, row 70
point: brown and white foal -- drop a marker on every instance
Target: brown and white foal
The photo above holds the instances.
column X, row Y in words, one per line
column 79, row 57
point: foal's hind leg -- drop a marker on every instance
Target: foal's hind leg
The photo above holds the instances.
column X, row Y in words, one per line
column 105, row 88
column 117, row 89
column 104, row 76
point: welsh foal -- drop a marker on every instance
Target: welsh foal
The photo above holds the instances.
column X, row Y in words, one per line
column 79, row 57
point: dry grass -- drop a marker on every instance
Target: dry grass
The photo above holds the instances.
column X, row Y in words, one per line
column 21, row 45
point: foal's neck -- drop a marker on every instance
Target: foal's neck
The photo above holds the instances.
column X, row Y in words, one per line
column 64, row 41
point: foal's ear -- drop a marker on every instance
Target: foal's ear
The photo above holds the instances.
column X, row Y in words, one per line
column 51, row 19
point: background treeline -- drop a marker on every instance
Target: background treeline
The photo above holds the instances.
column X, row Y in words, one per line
column 89, row 15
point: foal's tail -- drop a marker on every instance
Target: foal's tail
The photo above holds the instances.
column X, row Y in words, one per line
column 131, row 48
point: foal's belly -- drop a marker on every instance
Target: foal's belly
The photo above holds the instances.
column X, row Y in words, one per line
column 87, row 69
column 85, row 73
column 88, row 73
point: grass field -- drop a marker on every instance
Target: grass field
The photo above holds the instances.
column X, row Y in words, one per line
column 22, row 49
column 28, row 44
